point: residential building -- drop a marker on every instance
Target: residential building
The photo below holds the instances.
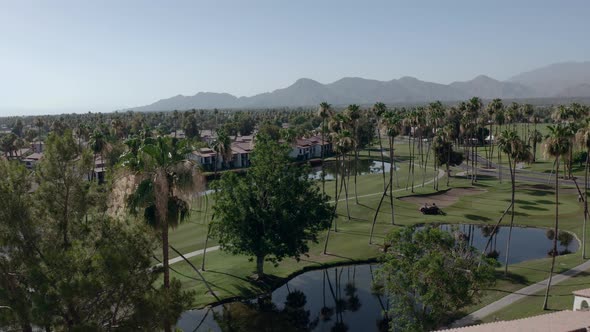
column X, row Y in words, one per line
column 32, row 160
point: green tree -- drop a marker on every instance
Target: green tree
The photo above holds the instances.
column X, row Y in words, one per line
column 557, row 145
column 60, row 175
column 191, row 127
column 517, row 151
column 273, row 211
column 429, row 274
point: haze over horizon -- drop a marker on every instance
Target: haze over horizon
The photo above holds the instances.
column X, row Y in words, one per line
column 68, row 56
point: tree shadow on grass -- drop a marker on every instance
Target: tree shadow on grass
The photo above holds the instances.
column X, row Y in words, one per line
column 474, row 217
column 533, row 208
column 538, row 193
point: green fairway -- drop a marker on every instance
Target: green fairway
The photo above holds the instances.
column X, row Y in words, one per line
column 229, row 275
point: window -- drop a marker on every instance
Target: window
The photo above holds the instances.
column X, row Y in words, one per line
column 584, row 305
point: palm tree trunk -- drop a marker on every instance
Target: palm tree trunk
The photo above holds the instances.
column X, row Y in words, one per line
column 513, row 180
column 413, row 161
column 554, row 252
column 585, row 205
column 391, row 141
column 206, row 242
column 356, row 159
column 377, row 212
column 344, row 182
column 322, row 158
column 381, row 152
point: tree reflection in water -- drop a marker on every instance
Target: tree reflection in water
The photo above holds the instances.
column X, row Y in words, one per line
column 264, row 315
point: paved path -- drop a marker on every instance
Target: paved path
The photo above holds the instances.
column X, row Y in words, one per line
column 189, row 255
column 518, row 295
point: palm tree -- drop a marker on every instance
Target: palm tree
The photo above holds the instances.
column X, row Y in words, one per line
column 222, row 148
column 517, row 151
column 493, row 109
column 583, row 139
column 392, row 122
column 473, row 108
column 325, row 112
column 98, row 144
column 164, row 177
column 353, row 113
column 557, row 145
column 380, row 109
column 39, row 124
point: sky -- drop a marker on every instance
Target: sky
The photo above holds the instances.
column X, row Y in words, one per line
column 63, row 56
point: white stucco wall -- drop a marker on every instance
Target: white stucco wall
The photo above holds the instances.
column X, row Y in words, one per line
column 578, row 302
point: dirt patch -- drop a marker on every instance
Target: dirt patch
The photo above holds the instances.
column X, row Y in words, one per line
column 444, row 199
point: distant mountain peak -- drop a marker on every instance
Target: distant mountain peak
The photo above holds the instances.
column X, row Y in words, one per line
column 559, row 79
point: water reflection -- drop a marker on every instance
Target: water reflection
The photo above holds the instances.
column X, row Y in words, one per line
column 526, row 243
column 334, row 299
column 363, row 167
column 345, row 298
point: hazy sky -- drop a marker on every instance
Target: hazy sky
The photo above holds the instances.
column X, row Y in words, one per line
column 63, row 56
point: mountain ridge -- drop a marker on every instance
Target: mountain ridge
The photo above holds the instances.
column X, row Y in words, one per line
column 556, row 80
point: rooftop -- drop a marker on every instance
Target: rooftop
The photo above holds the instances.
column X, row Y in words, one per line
column 566, row 320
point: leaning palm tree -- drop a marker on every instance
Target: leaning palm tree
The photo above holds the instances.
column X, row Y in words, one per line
column 583, row 139
column 325, row 112
column 517, row 151
column 557, row 146
column 164, row 177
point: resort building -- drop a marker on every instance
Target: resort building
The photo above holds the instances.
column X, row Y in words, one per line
column 243, row 146
column 32, row 160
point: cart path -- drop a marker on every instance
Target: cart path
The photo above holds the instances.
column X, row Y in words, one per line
column 520, row 294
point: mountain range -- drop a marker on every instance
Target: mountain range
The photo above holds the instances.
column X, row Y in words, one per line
column 568, row 79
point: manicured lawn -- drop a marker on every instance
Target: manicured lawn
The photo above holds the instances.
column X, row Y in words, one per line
column 229, row 275
column 560, row 298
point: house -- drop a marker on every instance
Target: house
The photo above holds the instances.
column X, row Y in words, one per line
column 208, row 136
column 308, row 148
column 574, row 320
column 206, row 158
column 99, row 170
column 32, row 160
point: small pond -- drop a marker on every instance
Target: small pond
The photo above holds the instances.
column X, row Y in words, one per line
column 340, row 298
column 364, row 167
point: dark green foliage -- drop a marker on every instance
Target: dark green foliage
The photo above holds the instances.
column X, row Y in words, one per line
column 63, row 264
column 428, row 274
column 273, row 211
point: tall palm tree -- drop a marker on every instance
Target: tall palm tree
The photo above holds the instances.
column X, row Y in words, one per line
column 557, row 146
column 222, row 148
column 473, row 109
column 379, row 109
column 165, row 176
column 493, row 108
column 353, row 112
column 517, row 151
column 325, row 112
column 583, row 139
column 98, row 144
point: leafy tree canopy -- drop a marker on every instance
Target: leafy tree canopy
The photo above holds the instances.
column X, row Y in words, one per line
column 273, row 211
column 429, row 273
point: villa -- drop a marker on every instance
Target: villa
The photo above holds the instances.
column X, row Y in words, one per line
column 243, row 146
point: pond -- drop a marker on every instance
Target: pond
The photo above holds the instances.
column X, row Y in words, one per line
column 364, row 166
column 340, row 298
